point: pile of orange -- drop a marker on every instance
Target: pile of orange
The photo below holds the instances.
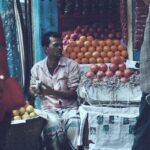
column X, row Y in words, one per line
column 88, row 50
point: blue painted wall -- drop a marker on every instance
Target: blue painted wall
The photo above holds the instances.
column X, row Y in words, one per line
column 45, row 18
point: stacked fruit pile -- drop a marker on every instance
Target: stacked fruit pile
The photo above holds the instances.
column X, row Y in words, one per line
column 115, row 72
column 95, row 43
column 26, row 112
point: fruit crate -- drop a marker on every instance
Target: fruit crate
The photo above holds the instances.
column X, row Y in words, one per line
column 25, row 136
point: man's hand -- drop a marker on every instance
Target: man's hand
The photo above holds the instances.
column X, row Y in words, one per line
column 46, row 90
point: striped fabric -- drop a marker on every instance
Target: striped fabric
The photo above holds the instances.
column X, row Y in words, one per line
column 62, row 129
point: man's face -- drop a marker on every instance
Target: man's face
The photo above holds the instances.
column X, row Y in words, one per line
column 55, row 48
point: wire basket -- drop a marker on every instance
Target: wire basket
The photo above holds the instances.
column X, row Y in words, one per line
column 25, row 136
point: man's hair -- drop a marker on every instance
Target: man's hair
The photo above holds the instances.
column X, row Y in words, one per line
column 46, row 38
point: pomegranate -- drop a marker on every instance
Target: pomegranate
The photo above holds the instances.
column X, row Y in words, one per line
column 127, row 72
column 122, row 67
column 116, row 60
column 100, row 74
column 90, row 74
column 113, row 67
column 124, row 79
column 119, row 73
column 94, row 68
column 109, row 73
column 103, row 67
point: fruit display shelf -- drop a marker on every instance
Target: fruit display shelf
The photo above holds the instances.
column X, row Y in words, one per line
column 110, row 91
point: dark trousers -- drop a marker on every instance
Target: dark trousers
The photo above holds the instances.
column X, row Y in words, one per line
column 4, row 127
column 142, row 127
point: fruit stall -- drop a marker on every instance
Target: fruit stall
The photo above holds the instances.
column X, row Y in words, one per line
column 104, row 37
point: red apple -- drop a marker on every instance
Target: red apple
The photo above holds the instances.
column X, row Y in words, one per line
column 109, row 73
column 90, row 74
column 74, row 36
column 94, row 68
column 103, row 67
column 122, row 67
column 65, row 42
column 113, row 67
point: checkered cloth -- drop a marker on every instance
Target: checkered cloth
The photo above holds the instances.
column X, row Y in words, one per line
column 62, row 129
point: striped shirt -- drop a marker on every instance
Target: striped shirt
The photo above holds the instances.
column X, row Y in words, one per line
column 65, row 76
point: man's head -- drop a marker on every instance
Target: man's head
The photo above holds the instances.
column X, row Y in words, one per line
column 52, row 43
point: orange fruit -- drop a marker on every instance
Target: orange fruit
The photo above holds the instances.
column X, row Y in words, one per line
column 83, row 49
column 102, row 43
column 117, row 53
column 99, row 60
column 72, row 43
column 95, row 54
column 68, row 49
column 87, row 43
column 116, row 42
column 91, row 49
column 84, row 61
column 82, row 38
column 92, row 60
column 76, row 49
column 103, row 54
column 79, row 43
column 121, row 47
column 106, row 48
column 78, row 60
column 124, row 53
column 66, row 54
column 99, row 48
column 89, row 38
column 80, row 55
column 109, row 42
column 73, row 55
column 106, row 60
column 113, row 48
column 87, row 54
column 94, row 43
column 110, row 54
